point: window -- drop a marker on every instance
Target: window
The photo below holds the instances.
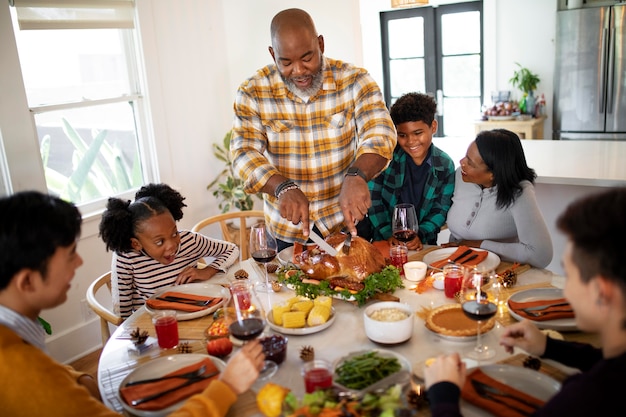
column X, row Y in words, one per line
column 437, row 51
column 81, row 76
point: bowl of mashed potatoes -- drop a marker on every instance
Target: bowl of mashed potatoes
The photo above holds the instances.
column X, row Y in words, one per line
column 388, row 322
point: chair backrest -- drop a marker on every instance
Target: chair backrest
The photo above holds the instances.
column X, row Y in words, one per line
column 106, row 316
column 232, row 232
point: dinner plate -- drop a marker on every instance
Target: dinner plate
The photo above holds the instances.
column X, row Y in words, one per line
column 535, row 294
column 285, row 256
column 395, row 378
column 157, row 368
column 196, row 288
column 301, row 330
column 491, row 261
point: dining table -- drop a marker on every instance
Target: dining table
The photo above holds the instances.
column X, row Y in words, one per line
column 344, row 336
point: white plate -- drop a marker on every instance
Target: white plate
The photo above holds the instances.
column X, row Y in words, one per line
column 404, row 366
column 491, row 261
column 543, row 294
column 301, row 330
column 196, row 288
column 159, row 367
column 512, row 117
column 285, row 256
column 531, row 382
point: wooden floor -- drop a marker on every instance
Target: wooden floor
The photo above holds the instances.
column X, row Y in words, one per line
column 88, row 363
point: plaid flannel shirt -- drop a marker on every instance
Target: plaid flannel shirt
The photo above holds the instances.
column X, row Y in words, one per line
column 437, row 196
column 313, row 143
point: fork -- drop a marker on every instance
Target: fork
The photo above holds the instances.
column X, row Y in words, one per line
column 544, row 313
column 182, row 300
column 490, row 393
column 190, row 381
column 193, row 374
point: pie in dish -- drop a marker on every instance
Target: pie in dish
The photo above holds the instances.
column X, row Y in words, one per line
column 449, row 320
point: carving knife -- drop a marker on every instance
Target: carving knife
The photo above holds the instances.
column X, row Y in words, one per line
column 347, row 243
column 322, row 243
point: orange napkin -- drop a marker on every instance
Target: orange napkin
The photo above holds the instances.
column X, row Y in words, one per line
column 498, row 409
column 135, row 392
column 480, row 256
column 172, row 305
column 561, row 312
column 383, row 246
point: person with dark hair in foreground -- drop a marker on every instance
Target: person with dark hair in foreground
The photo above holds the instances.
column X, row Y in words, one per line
column 494, row 205
column 595, row 286
column 38, row 260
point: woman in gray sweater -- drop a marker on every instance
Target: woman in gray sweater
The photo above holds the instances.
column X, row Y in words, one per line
column 494, row 205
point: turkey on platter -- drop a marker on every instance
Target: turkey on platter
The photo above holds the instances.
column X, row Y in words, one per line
column 344, row 270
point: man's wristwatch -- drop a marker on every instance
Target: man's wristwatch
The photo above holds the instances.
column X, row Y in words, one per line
column 354, row 171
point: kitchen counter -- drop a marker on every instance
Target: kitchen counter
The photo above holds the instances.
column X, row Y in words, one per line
column 562, row 162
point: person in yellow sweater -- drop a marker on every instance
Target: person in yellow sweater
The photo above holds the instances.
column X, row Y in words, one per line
column 38, row 260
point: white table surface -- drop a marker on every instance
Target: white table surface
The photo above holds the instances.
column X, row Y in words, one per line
column 345, row 335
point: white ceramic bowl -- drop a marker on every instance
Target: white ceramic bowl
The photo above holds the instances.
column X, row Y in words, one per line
column 415, row 270
column 438, row 280
column 388, row 332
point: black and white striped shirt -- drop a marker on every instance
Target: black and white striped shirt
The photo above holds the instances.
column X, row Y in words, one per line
column 136, row 276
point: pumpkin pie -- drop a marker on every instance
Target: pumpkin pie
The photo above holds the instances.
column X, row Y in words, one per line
column 449, row 320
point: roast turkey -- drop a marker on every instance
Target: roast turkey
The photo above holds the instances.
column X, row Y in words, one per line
column 343, row 269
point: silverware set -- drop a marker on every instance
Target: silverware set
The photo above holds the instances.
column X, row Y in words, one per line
column 494, row 394
column 190, row 380
column 540, row 311
column 183, row 300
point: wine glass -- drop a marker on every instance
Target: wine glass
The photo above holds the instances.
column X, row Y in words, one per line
column 263, row 249
column 246, row 318
column 404, row 223
column 478, row 302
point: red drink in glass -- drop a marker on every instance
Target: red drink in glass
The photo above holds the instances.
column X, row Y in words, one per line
column 452, row 279
column 399, row 256
column 167, row 331
column 317, row 378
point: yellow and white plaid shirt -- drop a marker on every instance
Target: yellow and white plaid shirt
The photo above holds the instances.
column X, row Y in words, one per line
column 311, row 142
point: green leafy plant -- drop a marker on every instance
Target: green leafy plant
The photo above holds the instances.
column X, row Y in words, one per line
column 99, row 169
column 227, row 187
column 524, row 79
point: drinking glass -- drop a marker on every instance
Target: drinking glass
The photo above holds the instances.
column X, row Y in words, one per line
column 404, row 223
column 263, row 249
column 246, row 318
column 479, row 303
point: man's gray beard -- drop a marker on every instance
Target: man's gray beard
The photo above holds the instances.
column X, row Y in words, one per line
column 316, row 85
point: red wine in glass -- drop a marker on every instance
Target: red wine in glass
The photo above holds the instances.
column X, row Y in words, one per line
column 264, row 255
column 246, row 329
column 405, row 235
column 479, row 310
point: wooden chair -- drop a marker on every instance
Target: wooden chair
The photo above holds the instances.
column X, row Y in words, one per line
column 230, row 233
column 106, row 316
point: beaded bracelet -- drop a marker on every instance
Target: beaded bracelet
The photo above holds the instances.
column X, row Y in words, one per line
column 285, row 186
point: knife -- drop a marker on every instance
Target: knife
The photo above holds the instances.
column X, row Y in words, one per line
column 463, row 255
column 189, row 301
column 322, row 243
column 543, row 307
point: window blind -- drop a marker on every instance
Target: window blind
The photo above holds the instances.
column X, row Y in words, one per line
column 74, row 14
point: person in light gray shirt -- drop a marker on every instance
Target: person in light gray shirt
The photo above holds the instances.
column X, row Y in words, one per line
column 494, row 205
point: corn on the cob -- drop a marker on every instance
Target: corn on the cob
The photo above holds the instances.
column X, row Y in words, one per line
column 291, row 301
column 304, row 306
column 277, row 312
column 318, row 315
column 323, row 300
column 294, row 319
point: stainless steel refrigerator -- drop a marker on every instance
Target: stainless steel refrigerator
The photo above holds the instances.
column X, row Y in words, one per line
column 590, row 74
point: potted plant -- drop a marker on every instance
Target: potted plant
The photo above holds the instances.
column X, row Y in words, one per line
column 526, row 81
column 226, row 186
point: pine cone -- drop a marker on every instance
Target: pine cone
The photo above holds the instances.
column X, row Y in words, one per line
column 139, row 336
column 241, row 274
column 184, row 347
column 307, row 353
column 271, row 268
column 508, row 278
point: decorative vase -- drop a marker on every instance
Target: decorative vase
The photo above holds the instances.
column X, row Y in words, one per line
column 530, row 103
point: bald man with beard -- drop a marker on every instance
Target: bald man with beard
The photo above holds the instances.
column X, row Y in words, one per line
column 309, row 132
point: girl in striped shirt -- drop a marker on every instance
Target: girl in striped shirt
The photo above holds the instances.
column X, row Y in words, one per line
column 149, row 250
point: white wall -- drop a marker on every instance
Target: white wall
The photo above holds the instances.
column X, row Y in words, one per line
column 196, row 54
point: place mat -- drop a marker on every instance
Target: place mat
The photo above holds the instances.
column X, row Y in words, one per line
column 546, row 368
column 187, row 329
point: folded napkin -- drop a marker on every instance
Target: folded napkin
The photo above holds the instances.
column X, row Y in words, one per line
column 172, row 305
column 135, row 392
column 559, row 312
column 498, row 409
column 473, row 258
